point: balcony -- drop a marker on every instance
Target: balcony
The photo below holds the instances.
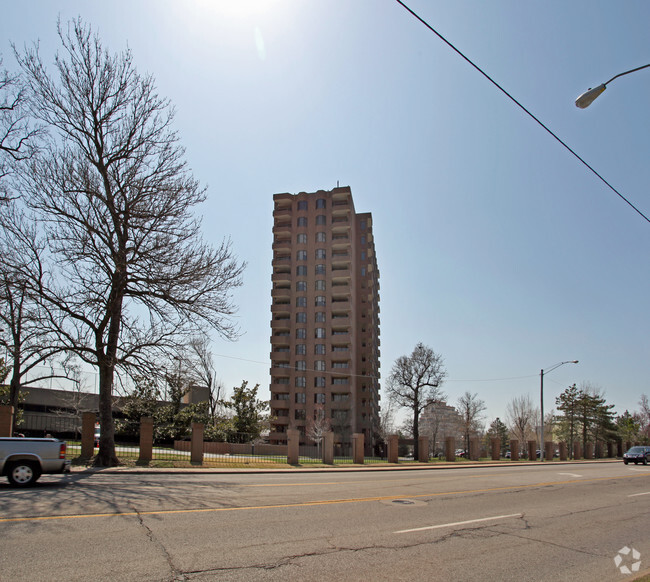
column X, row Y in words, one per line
column 282, row 228
column 280, row 340
column 282, row 243
column 281, row 276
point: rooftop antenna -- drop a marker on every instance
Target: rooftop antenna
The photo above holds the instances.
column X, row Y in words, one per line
column 337, row 183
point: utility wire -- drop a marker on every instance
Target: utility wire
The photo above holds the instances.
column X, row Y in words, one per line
column 442, row 38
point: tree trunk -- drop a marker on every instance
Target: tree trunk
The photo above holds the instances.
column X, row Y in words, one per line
column 416, row 433
column 106, row 456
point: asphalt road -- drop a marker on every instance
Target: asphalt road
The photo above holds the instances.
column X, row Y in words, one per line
column 544, row 522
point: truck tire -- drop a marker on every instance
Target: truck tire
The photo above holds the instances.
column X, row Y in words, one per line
column 23, row 473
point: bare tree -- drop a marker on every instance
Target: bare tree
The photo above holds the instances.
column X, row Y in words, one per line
column 644, row 415
column 127, row 272
column 28, row 340
column 521, row 415
column 202, row 373
column 17, row 134
column 471, row 409
column 318, row 426
column 414, row 383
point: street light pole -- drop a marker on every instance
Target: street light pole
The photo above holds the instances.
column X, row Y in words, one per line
column 541, row 403
column 588, row 97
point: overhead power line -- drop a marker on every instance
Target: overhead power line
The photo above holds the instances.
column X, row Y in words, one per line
column 500, row 88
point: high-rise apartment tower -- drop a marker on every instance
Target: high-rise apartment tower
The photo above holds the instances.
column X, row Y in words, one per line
column 324, row 317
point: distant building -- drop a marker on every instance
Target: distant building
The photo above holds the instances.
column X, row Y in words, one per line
column 324, row 316
column 439, row 421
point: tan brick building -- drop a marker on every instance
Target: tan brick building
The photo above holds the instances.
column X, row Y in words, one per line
column 324, row 316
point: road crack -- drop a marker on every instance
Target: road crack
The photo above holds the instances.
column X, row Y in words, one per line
column 176, row 574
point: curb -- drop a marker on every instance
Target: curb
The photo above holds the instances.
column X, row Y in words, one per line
column 336, row 469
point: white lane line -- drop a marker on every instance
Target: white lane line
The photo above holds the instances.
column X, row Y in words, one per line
column 635, row 469
column 637, row 494
column 459, row 523
column 570, row 474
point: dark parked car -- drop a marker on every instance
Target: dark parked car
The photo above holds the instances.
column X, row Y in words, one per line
column 637, row 455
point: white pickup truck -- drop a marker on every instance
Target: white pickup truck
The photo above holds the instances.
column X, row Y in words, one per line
column 24, row 460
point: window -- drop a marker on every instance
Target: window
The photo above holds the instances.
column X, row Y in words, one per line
column 319, row 414
column 363, row 240
column 363, row 222
column 319, row 381
column 321, row 253
column 320, row 333
column 301, row 398
column 319, row 365
column 320, row 301
column 282, row 396
column 301, row 302
column 321, row 237
column 301, row 333
column 301, row 317
column 319, row 349
column 281, row 381
column 363, row 271
column 319, row 398
column 340, row 397
column 339, row 381
column 340, row 415
column 320, row 285
column 320, row 316
column 340, row 364
column 301, row 270
column 302, row 239
column 321, row 219
column 302, row 205
column 320, row 270
column 363, row 254
column 301, row 365
column 301, row 286
column 302, row 221
column 301, row 349
column 300, row 414
column 320, row 203
column 301, row 381
column 301, row 255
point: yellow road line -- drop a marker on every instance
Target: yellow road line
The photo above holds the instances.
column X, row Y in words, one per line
column 315, row 503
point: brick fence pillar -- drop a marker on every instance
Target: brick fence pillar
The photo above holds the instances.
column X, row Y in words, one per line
column 495, row 448
column 196, row 454
column 393, row 448
column 328, row 448
column 599, row 450
column 589, row 450
column 293, row 446
column 474, row 448
column 6, row 419
column 549, row 450
column 357, row 448
column 610, row 449
column 563, row 451
column 423, row 449
column 146, row 440
column 450, row 448
column 88, row 420
column 577, row 450
column 532, row 450
column 514, row 450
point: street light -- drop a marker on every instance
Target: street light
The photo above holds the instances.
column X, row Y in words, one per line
column 588, row 97
column 541, row 403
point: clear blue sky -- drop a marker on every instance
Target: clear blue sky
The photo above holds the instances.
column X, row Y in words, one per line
column 495, row 246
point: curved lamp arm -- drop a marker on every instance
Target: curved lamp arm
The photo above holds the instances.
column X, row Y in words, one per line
column 588, row 97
